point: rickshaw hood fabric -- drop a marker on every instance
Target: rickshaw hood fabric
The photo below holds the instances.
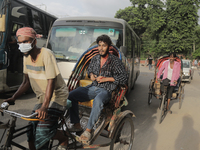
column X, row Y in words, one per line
column 175, row 73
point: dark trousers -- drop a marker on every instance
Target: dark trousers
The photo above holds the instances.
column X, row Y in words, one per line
column 170, row 89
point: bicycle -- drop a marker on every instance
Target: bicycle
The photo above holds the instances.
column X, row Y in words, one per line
column 154, row 90
column 121, row 131
column 14, row 133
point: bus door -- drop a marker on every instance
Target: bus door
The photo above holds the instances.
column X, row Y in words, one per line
column 18, row 17
column 15, row 58
column 3, row 52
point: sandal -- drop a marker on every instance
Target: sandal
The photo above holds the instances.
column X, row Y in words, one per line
column 85, row 137
column 74, row 129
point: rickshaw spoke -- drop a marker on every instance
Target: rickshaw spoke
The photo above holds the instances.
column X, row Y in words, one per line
column 123, row 138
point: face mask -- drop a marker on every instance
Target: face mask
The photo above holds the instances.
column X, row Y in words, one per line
column 25, row 47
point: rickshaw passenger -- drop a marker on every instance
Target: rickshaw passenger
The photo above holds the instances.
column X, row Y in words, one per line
column 171, row 75
column 106, row 72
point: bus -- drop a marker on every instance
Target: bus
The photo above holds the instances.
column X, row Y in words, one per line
column 15, row 14
column 71, row 36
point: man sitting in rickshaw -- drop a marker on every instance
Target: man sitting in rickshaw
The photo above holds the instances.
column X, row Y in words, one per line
column 106, row 72
column 170, row 76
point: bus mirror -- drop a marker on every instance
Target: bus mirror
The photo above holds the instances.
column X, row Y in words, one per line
column 123, row 49
column 2, row 23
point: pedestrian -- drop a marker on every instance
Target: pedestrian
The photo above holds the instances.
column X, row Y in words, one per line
column 150, row 59
column 195, row 63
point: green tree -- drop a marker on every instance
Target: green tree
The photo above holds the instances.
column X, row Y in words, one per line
column 196, row 54
column 163, row 27
column 181, row 21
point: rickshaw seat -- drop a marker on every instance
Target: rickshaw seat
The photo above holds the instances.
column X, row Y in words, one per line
column 83, row 83
column 118, row 97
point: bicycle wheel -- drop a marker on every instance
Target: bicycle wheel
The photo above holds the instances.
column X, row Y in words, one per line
column 150, row 93
column 162, row 108
column 181, row 97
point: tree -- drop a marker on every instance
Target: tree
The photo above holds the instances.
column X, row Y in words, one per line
column 163, row 27
column 181, row 20
column 196, row 53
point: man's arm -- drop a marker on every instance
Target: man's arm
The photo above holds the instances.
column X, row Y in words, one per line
column 119, row 73
column 160, row 71
column 101, row 79
column 21, row 90
column 42, row 112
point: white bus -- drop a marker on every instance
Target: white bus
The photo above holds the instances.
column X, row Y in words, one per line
column 71, row 36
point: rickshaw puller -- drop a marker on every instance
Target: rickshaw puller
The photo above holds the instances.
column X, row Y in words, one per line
column 171, row 75
column 42, row 73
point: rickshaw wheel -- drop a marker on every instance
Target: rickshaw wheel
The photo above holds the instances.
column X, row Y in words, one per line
column 163, row 108
column 181, row 97
column 149, row 98
column 150, row 93
column 124, row 135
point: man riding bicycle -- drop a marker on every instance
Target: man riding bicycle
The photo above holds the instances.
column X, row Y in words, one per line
column 42, row 74
column 170, row 76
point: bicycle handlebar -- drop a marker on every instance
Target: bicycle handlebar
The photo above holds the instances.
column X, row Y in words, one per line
column 5, row 106
column 18, row 115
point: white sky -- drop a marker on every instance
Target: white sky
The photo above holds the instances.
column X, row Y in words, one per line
column 63, row 8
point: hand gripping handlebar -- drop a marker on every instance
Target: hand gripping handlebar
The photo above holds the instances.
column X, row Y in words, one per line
column 5, row 106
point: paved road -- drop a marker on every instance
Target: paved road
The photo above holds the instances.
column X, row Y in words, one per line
column 179, row 130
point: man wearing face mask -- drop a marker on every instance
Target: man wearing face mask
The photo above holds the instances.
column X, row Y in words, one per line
column 42, row 74
column 106, row 72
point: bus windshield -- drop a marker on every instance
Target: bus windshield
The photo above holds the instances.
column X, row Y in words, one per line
column 69, row 42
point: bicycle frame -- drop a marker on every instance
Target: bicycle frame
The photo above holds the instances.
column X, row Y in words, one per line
column 12, row 134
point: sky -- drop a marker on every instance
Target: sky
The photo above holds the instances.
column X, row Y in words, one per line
column 63, row 8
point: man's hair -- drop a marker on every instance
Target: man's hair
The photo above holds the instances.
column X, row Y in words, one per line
column 172, row 53
column 105, row 39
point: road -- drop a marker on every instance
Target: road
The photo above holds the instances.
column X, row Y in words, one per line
column 179, row 130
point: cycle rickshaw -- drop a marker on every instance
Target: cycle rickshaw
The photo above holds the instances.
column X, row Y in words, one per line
column 114, row 124
column 154, row 89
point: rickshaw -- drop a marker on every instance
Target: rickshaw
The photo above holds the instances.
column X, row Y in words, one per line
column 114, row 124
column 154, row 89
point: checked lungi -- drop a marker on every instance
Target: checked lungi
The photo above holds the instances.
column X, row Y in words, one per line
column 42, row 132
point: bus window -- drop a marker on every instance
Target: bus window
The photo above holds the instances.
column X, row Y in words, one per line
column 16, row 27
column 49, row 23
column 37, row 22
column 29, row 13
column 128, row 43
column 45, row 31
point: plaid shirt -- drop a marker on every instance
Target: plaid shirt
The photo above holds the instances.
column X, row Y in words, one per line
column 113, row 67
